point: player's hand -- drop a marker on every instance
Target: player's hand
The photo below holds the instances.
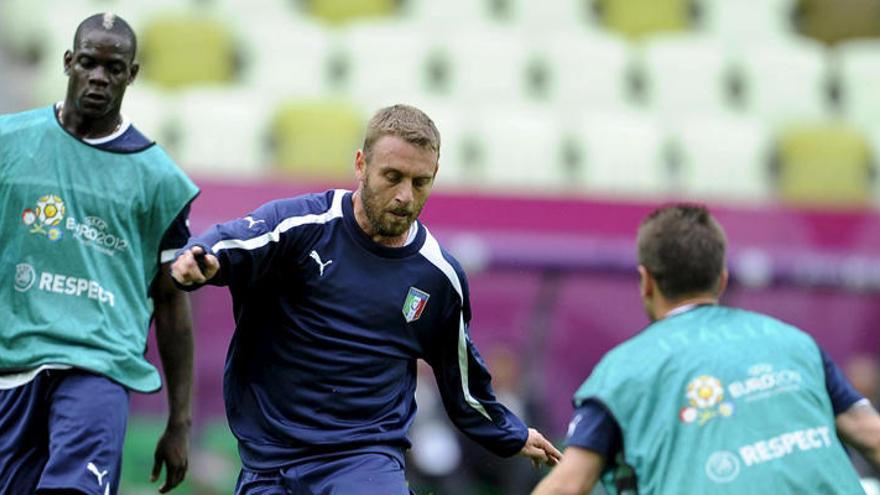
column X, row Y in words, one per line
column 186, row 271
column 173, row 452
column 540, row 450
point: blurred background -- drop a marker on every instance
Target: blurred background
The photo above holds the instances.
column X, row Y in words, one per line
column 563, row 123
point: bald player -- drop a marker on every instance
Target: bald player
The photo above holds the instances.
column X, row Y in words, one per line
column 91, row 210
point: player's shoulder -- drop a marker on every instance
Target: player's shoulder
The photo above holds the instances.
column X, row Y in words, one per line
column 440, row 256
column 28, row 119
column 312, row 206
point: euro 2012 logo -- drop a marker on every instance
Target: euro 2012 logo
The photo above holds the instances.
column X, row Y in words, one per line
column 705, row 396
column 45, row 217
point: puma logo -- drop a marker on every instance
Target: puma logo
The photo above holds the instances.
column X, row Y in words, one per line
column 252, row 222
column 98, row 474
column 321, row 265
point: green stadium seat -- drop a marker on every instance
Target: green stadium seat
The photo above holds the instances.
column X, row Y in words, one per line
column 723, row 158
column 317, row 139
column 857, row 65
column 826, row 164
column 186, row 50
column 833, row 21
column 639, row 18
column 341, row 11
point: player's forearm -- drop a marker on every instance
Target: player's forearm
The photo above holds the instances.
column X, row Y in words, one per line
column 175, row 339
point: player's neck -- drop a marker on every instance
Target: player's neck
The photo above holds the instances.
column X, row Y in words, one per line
column 363, row 222
column 666, row 307
column 86, row 128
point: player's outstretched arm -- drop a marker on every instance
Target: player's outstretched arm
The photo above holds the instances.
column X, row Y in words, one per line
column 540, row 450
column 859, row 426
column 576, row 474
column 187, row 271
column 175, row 342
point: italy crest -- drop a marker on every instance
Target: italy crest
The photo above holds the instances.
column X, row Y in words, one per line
column 415, row 303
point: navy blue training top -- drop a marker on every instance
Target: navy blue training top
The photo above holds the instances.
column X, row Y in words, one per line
column 329, row 326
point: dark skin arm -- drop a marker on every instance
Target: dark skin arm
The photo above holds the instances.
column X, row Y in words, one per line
column 175, row 338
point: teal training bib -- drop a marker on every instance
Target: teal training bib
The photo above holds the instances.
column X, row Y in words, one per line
column 721, row 401
column 80, row 230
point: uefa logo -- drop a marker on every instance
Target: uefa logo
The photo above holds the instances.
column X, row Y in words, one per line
column 24, row 277
column 722, row 467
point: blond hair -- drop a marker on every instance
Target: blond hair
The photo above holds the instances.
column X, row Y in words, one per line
column 406, row 122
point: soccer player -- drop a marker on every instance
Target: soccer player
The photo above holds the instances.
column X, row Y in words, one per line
column 336, row 295
column 90, row 208
column 708, row 398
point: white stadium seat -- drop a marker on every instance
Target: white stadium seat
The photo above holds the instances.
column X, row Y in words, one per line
column 623, row 154
column 222, row 131
column 858, row 70
column 784, row 81
column 723, row 157
column 685, row 75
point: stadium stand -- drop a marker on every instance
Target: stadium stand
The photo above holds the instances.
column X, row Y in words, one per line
column 858, row 70
column 747, row 19
column 314, row 139
column 824, row 164
column 639, row 18
column 178, row 51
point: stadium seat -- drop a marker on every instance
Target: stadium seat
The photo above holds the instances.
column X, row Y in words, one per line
column 487, row 65
column 833, row 21
column 286, row 57
column 586, row 71
column 316, row 139
column 638, row 18
column 522, row 151
column 188, row 49
column 149, row 109
column 784, row 81
column 857, row 65
column 825, row 164
column 340, row 11
column 723, row 158
column 222, row 132
column 623, row 154
column 686, row 75
column 385, row 60
column 547, row 17
column 747, row 19
column 440, row 16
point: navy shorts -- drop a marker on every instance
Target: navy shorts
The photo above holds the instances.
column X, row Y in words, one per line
column 367, row 473
column 64, row 430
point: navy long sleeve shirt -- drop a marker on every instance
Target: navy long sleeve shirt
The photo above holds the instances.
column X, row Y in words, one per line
column 329, row 326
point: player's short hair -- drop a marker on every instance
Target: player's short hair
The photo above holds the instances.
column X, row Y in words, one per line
column 683, row 248
column 107, row 22
column 406, row 122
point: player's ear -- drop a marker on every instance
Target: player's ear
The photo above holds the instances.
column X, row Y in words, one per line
column 646, row 283
column 722, row 283
column 133, row 72
column 360, row 165
column 67, row 61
